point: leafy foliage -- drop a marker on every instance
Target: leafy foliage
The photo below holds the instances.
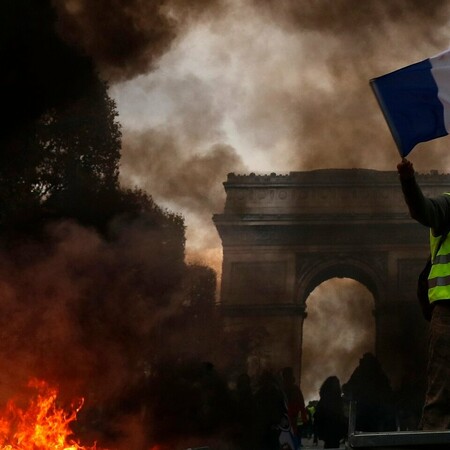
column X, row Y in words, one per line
column 78, row 147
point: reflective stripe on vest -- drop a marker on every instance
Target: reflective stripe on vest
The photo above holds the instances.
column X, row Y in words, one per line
column 439, row 277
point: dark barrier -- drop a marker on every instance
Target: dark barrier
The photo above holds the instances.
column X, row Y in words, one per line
column 400, row 440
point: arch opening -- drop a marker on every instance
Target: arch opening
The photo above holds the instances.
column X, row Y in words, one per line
column 338, row 330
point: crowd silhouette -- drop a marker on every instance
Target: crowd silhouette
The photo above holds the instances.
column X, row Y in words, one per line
column 272, row 408
column 330, row 419
column 266, row 411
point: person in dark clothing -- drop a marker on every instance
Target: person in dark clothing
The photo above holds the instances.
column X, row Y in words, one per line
column 310, row 411
column 409, row 398
column 434, row 213
column 244, row 410
column 329, row 417
column 269, row 410
column 295, row 401
column 371, row 391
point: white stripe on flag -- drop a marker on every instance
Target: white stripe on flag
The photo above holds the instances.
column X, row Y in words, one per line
column 440, row 69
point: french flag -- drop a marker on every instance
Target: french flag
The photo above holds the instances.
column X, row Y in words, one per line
column 415, row 101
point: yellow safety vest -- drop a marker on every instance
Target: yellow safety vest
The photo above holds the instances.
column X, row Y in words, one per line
column 439, row 277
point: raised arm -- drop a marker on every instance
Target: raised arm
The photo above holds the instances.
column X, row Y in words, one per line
column 431, row 212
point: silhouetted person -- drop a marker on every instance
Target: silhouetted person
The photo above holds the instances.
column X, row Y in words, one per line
column 310, row 411
column 369, row 387
column 214, row 400
column 244, row 410
column 329, row 418
column 189, row 399
column 409, row 399
column 269, row 410
column 295, row 400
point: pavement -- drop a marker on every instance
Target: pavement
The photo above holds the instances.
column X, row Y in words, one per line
column 307, row 444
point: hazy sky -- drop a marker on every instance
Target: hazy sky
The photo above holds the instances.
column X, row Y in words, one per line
column 208, row 87
column 262, row 86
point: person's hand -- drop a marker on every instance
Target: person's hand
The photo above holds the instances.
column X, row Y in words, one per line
column 405, row 169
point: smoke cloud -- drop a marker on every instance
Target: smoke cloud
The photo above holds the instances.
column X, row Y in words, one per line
column 127, row 38
column 83, row 313
column 158, row 161
column 203, row 88
column 40, row 71
column 286, row 85
column 74, row 309
column 347, row 17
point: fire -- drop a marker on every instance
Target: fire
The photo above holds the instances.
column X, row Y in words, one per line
column 41, row 426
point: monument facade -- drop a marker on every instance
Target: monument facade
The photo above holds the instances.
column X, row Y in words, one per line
column 283, row 235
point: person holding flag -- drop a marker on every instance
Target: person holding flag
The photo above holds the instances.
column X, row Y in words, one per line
column 415, row 101
column 435, row 214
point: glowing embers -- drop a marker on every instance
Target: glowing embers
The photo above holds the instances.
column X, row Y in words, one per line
column 42, row 425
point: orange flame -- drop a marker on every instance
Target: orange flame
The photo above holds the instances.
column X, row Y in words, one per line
column 41, row 426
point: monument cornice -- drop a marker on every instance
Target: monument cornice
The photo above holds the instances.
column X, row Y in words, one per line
column 348, row 233
column 282, row 219
column 331, row 178
column 368, row 193
column 287, row 309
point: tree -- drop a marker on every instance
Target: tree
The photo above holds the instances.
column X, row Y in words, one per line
column 76, row 172
column 59, row 133
column 78, row 146
column 70, row 160
column 118, row 257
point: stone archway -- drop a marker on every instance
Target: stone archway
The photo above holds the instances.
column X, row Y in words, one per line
column 338, row 329
column 314, row 269
column 319, row 268
column 284, row 234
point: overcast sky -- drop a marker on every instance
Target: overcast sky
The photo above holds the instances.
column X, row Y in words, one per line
column 208, row 87
column 261, row 86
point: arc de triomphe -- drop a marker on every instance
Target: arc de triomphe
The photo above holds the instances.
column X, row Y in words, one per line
column 283, row 235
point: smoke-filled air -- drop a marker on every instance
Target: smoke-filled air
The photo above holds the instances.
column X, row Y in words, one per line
column 122, row 120
column 282, row 86
column 279, row 86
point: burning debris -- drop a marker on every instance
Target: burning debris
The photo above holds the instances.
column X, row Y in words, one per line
column 41, row 424
column 91, row 275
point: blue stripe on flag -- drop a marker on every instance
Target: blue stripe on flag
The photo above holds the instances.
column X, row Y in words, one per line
column 409, row 100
